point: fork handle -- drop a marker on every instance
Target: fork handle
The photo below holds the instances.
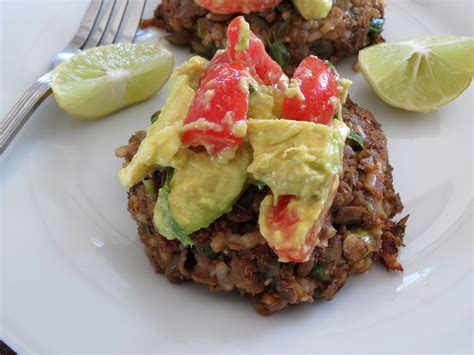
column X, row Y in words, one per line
column 23, row 109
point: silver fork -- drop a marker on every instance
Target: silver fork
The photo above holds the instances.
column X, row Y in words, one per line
column 105, row 22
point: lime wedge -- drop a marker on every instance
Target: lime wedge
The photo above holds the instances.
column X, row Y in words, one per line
column 421, row 74
column 101, row 80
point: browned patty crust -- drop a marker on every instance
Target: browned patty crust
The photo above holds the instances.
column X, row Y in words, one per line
column 348, row 27
column 231, row 254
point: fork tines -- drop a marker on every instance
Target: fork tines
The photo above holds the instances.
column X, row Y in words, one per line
column 117, row 22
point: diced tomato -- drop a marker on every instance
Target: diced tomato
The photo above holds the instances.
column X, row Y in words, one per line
column 281, row 218
column 318, row 87
column 288, row 231
column 218, row 108
column 220, row 57
column 319, row 95
column 234, row 6
column 251, row 53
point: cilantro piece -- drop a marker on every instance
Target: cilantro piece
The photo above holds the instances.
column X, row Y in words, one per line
column 283, row 27
column 206, row 250
column 376, row 25
column 280, row 53
column 211, row 49
column 318, row 272
column 163, row 196
column 147, row 228
column 150, row 189
column 155, row 117
column 356, row 138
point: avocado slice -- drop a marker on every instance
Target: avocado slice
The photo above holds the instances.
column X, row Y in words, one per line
column 193, row 69
column 313, row 9
column 300, row 162
column 164, row 220
column 200, row 190
column 295, row 239
column 294, row 157
column 163, row 137
column 265, row 102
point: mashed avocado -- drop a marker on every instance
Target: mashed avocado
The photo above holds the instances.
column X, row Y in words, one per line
column 193, row 70
column 294, row 157
column 301, row 161
column 296, row 241
column 313, row 9
column 244, row 37
column 297, row 159
column 163, row 138
column 344, row 85
column 202, row 189
column 265, row 102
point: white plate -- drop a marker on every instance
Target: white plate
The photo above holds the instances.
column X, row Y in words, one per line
column 74, row 275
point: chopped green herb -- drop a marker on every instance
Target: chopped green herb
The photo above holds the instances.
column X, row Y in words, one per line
column 169, row 175
column 150, row 190
column 252, row 88
column 366, row 254
column 206, row 250
column 260, row 184
column 318, row 272
column 241, row 291
column 211, row 49
column 280, row 53
column 148, row 229
column 353, row 14
column 356, row 138
column 201, row 28
column 376, row 25
column 283, row 27
column 273, row 270
column 155, row 117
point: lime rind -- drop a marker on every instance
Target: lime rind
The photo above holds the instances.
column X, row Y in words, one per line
column 422, row 74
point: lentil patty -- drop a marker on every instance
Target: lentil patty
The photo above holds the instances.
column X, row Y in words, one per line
column 231, row 254
column 348, row 27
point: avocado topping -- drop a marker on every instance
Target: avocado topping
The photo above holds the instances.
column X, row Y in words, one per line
column 163, row 137
column 313, row 9
column 164, row 220
column 296, row 158
column 244, row 37
column 202, row 189
column 225, row 125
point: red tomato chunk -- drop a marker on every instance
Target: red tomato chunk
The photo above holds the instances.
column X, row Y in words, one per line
column 218, row 108
column 235, row 6
column 319, row 95
column 253, row 56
